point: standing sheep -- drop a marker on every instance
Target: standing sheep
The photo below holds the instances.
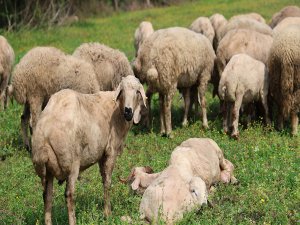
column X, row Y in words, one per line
column 175, row 58
column 284, row 69
column 243, row 81
column 203, row 26
column 110, row 65
column 144, row 30
column 253, row 15
column 7, row 58
column 285, row 23
column 42, row 72
column 218, row 21
column 77, row 130
column 288, row 11
column 195, row 165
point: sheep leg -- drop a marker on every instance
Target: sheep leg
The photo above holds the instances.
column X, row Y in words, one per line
column 225, row 114
column 235, row 115
column 264, row 100
column 161, row 114
column 24, row 126
column 3, row 85
column 201, row 91
column 149, row 94
column 187, row 100
column 69, row 195
column 106, row 166
column 280, row 120
column 35, row 110
column 47, row 196
column 294, row 123
column 167, row 113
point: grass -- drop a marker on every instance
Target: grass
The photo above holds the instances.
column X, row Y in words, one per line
column 267, row 162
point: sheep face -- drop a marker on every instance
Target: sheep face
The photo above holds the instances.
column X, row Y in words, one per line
column 132, row 96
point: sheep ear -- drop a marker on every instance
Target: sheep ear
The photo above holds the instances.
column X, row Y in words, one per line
column 142, row 92
column 137, row 114
column 118, row 92
column 135, row 184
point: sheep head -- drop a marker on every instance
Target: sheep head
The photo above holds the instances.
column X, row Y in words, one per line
column 131, row 95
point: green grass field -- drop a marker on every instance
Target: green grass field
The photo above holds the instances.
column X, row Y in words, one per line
column 266, row 161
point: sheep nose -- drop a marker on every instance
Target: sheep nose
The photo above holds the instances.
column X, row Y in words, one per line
column 128, row 114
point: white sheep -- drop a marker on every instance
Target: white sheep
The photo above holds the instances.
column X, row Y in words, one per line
column 175, row 58
column 7, row 58
column 288, row 11
column 203, row 26
column 77, row 130
column 110, row 65
column 195, row 165
column 243, row 81
column 42, row 72
column 218, row 21
column 285, row 23
column 284, row 70
column 253, row 15
column 144, row 30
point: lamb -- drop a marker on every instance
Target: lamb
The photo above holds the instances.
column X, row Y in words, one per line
column 285, row 23
column 218, row 21
column 203, row 25
column 243, row 81
column 175, row 58
column 7, row 58
column 284, row 70
column 253, row 15
column 245, row 23
column 77, row 130
column 42, row 72
column 144, row 30
column 110, row 65
column 195, row 165
column 288, row 11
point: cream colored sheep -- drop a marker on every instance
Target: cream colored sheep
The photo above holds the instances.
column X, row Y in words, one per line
column 110, row 65
column 285, row 23
column 253, row 15
column 175, row 58
column 7, row 58
column 288, row 11
column 243, row 81
column 77, row 130
column 144, row 30
column 284, row 69
column 195, row 165
column 218, row 21
column 42, row 72
column 203, row 26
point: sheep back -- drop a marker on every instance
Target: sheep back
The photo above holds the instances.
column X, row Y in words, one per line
column 288, row 11
column 203, row 25
column 253, row 15
column 285, row 23
column 144, row 30
column 110, row 65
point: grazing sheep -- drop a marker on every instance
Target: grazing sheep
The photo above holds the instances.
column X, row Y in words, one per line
column 144, row 30
column 7, row 58
column 110, row 65
column 243, row 81
column 218, row 21
column 42, row 72
column 288, row 11
column 195, row 165
column 285, row 23
column 245, row 23
column 175, row 58
column 253, row 15
column 284, row 70
column 203, row 25
column 77, row 130
column 255, row 44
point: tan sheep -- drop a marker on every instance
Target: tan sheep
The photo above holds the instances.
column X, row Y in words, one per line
column 42, row 72
column 243, row 81
column 144, row 30
column 288, row 11
column 218, row 21
column 175, row 58
column 203, row 26
column 77, row 130
column 110, row 65
column 253, row 15
column 195, row 165
column 284, row 70
column 285, row 23
column 7, row 58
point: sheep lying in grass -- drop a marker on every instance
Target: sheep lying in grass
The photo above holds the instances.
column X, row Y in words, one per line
column 243, row 81
column 284, row 69
column 175, row 58
column 195, row 165
column 288, row 11
column 144, row 30
column 78, row 130
column 7, row 58
column 203, row 26
column 42, row 72
column 110, row 65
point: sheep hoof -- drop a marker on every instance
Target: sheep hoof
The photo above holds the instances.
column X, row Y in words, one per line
column 235, row 136
column 205, row 126
column 170, row 135
column 185, row 123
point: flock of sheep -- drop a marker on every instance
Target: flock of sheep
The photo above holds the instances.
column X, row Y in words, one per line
column 80, row 107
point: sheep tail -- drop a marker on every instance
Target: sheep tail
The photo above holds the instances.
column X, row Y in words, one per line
column 152, row 74
column 222, row 92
